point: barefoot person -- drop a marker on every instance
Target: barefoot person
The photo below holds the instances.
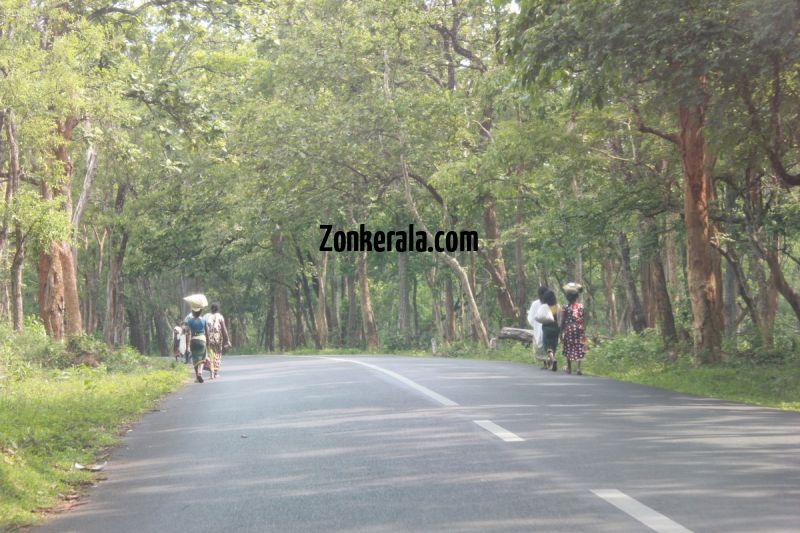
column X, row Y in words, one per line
column 217, row 339
column 197, row 335
column 573, row 328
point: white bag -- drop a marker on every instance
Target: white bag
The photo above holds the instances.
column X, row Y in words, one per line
column 544, row 315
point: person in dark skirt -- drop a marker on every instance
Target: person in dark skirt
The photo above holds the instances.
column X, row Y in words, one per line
column 550, row 331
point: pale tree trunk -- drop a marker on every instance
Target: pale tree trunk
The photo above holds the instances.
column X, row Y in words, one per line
column 367, row 316
column 703, row 262
column 477, row 321
column 493, row 257
column 11, row 196
column 320, row 317
column 5, row 299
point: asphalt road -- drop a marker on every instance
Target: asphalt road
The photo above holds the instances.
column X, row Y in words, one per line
column 385, row 444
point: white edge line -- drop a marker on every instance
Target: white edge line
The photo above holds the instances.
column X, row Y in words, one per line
column 644, row 514
column 499, row 431
column 416, row 386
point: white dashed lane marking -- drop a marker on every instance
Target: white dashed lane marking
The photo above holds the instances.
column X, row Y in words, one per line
column 447, row 402
column 644, row 514
column 499, row 431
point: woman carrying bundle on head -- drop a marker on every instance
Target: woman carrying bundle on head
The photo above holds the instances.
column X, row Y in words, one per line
column 197, row 334
column 573, row 328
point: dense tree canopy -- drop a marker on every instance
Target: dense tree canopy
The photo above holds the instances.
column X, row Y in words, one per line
column 648, row 151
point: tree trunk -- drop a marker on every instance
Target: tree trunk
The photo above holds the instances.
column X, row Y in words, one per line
column 51, row 292
column 493, row 257
column 519, row 260
column 637, row 315
column 415, row 331
column 648, row 298
column 449, row 312
column 320, row 318
column 17, row 312
column 299, row 335
column 778, row 278
column 367, row 316
column 65, row 266
column 334, row 330
column 436, row 306
column 403, row 305
column 666, row 318
column 608, row 271
column 703, row 263
column 12, row 196
column 281, row 292
column 352, row 312
column 113, row 326
column 269, row 327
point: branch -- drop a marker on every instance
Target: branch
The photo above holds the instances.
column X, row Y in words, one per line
column 640, row 125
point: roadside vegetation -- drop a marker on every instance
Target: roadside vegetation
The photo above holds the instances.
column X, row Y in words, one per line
column 62, row 404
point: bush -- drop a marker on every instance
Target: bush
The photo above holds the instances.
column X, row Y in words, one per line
column 24, row 353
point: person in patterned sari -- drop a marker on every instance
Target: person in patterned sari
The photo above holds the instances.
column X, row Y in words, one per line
column 573, row 328
column 217, row 339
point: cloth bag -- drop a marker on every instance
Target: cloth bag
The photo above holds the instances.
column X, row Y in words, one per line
column 544, row 315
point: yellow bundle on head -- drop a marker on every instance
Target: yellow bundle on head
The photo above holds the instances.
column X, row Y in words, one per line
column 196, row 301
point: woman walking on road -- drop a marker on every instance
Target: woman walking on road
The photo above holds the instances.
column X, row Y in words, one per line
column 550, row 330
column 197, row 335
column 573, row 328
column 217, row 339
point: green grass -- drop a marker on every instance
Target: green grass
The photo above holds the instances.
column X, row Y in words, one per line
column 752, row 376
column 54, row 418
column 770, row 385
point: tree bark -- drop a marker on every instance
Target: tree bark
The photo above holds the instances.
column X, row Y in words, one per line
column 367, row 316
column 608, row 270
column 449, row 312
column 519, row 260
column 113, row 325
column 17, row 312
column 403, row 305
column 58, row 284
column 703, row 263
column 352, row 312
column 320, row 318
column 493, row 257
column 638, row 321
column 281, row 291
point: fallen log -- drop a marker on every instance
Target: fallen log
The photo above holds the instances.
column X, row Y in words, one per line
column 525, row 336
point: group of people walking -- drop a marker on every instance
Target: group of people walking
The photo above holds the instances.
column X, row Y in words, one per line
column 553, row 323
column 203, row 338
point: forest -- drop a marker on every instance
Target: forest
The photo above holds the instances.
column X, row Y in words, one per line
column 647, row 150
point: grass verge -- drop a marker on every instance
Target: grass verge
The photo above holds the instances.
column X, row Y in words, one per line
column 55, row 418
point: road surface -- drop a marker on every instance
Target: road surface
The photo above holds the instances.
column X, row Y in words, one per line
column 386, row 444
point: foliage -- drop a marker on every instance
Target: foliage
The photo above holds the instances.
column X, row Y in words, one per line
column 50, row 421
